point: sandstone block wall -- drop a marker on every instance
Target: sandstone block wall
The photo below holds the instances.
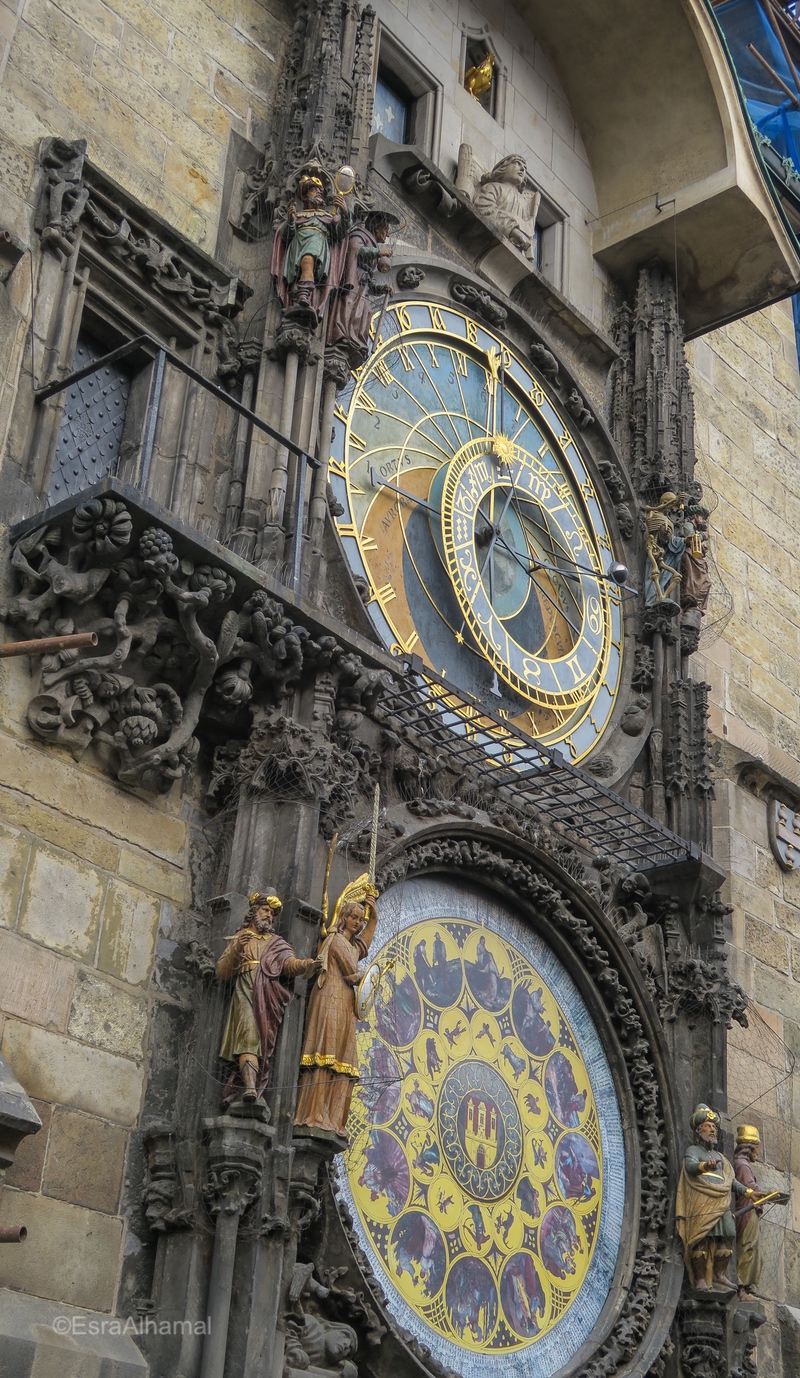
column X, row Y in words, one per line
column 155, row 88
column 747, row 399
column 95, row 882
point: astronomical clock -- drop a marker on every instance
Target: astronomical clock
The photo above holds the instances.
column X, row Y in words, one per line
column 486, row 1170
column 471, row 516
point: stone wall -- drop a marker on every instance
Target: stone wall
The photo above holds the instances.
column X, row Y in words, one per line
column 95, row 880
column 747, row 397
column 154, row 87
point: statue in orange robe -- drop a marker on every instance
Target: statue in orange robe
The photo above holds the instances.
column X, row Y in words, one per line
column 329, row 1064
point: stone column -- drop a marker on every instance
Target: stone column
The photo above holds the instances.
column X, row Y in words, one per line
column 236, row 1154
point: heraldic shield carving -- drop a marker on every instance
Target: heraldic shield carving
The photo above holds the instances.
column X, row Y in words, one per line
column 784, row 833
column 486, row 1168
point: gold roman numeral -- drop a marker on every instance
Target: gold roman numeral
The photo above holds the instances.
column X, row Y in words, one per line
column 383, row 595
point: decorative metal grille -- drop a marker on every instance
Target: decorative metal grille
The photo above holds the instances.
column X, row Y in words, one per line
column 445, row 719
column 91, row 426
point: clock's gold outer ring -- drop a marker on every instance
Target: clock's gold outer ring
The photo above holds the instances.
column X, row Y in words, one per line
column 515, row 664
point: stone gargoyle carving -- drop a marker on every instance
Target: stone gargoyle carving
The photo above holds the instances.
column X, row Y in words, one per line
column 504, row 195
column 176, row 643
column 314, row 1345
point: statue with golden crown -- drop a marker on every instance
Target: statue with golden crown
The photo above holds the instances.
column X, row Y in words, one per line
column 748, row 1216
column 263, row 967
column 328, row 1065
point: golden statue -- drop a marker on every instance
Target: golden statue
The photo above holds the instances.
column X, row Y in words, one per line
column 329, row 1067
column 478, row 79
column 263, row 966
column 748, row 1216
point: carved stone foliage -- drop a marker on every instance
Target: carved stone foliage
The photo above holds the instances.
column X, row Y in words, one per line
column 322, row 110
column 235, row 1166
column 700, row 990
column 410, row 276
column 75, row 195
column 284, row 761
column 652, row 412
column 487, row 861
column 181, row 643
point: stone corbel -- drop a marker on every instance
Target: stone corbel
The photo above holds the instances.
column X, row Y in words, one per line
column 18, row 1116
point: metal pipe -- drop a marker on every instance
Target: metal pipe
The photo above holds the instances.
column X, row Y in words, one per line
column 768, row 9
column 319, row 488
column 47, row 645
column 219, row 1295
column 13, row 1234
column 153, row 404
column 238, row 483
column 773, row 74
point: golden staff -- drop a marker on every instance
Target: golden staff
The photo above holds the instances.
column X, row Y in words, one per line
column 771, row 1196
column 373, row 845
column 328, row 865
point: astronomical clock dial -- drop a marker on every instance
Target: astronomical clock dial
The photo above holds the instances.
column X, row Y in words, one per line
column 486, row 1170
column 471, row 515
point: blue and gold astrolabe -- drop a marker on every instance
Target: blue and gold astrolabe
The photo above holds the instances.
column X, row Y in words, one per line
column 475, row 1160
column 471, row 513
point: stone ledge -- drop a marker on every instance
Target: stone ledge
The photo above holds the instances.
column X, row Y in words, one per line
column 30, row 1345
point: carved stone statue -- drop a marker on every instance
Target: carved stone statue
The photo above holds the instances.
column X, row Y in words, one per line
column 329, row 1067
column 748, row 1216
column 366, row 254
column 703, row 1214
column 66, row 194
column 262, row 965
column 695, row 578
column 664, row 549
column 309, row 249
column 315, row 1345
column 506, row 196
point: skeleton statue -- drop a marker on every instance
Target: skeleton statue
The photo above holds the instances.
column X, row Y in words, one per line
column 505, row 196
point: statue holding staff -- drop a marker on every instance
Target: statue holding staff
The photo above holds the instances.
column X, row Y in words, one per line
column 263, row 966
column 329, row 1061
column 748, row 1216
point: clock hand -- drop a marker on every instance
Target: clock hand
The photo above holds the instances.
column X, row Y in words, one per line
column 516, row 556
column 412, row 497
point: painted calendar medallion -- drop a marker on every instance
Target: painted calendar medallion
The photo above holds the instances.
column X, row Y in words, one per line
column 486, row 1171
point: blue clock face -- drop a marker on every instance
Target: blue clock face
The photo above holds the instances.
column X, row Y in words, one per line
column 470, row 512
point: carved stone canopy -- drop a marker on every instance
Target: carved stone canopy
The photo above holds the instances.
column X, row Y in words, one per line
column 136, row 253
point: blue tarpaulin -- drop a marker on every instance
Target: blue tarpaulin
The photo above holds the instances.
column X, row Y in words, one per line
column 745, row 22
